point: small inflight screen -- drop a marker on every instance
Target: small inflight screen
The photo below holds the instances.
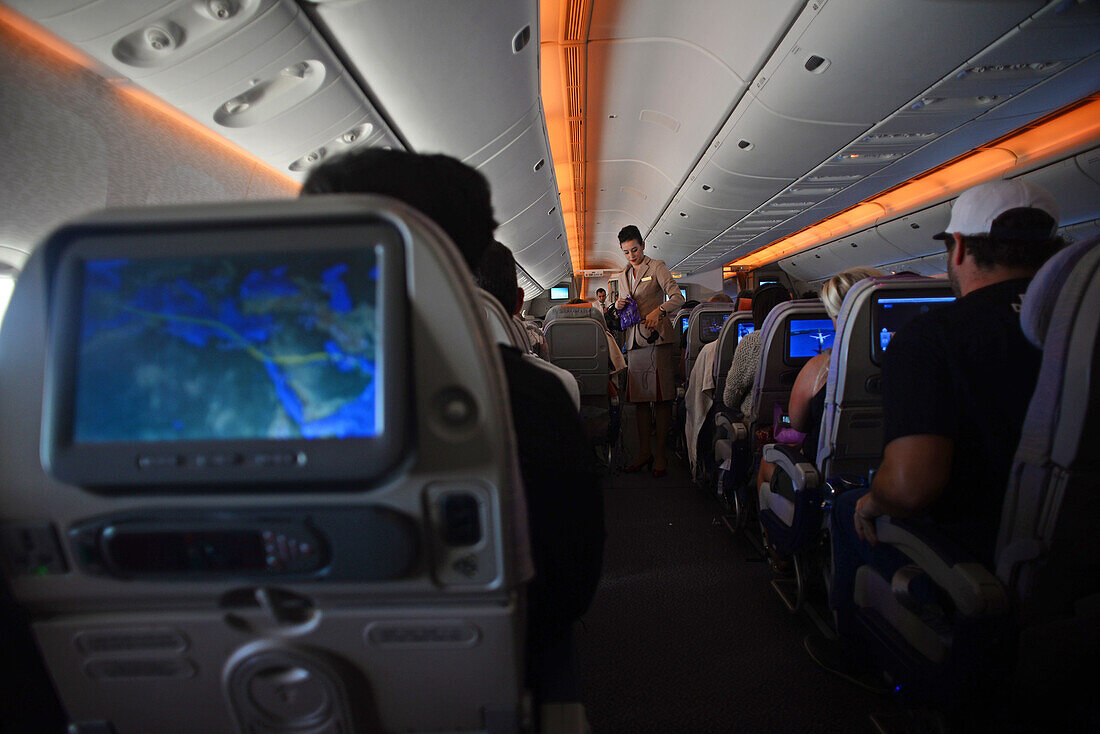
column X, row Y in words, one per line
column 684, row 324
column 710, row 325
column 559, row 293
column 237, row 346
column 743, row 329
column 768, row 282
column 683, row 292
column 893, row 313
column 809, row 337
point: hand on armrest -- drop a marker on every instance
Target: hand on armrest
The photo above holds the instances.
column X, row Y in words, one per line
column 972, row 588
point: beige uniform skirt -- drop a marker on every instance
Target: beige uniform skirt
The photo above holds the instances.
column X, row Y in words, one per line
column 650, row 373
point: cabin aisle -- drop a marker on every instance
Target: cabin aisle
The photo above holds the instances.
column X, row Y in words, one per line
column 686, row 634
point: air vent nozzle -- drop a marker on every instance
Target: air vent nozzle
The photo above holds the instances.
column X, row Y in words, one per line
column 520, row 40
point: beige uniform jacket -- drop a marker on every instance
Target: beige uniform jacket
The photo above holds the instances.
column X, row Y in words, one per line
column 649, row 288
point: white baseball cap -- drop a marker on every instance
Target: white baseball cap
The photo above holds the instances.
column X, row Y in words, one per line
column 976, row 211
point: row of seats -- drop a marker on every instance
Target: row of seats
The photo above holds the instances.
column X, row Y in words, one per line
column 1040, row 606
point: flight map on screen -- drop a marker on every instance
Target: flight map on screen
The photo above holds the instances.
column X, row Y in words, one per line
column 744, row 328
column 810, row 337
column 893, row 313
column 710, row 326
column 229, row 347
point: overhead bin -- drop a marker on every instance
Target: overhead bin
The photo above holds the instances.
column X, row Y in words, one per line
column 517, row 179
column 812, row 264
column 900, row 55
column 763, row 143
column 912, row 234
column 530, row 225
column 434, row 111
column 1077, row 194
column 639, row 90
column 641, row 201
column 866, row 248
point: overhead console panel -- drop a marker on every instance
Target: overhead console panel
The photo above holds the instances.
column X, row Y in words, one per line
column 256, row 72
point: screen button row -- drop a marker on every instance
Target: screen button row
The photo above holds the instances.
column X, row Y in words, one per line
column 220, row 460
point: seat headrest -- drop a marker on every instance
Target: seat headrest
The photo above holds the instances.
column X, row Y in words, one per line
column 1042, row 293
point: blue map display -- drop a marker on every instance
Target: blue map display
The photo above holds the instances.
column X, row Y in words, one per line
column 229, row 347
column 810, row 337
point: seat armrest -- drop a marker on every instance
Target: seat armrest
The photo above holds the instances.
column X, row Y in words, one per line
column 730, row 420
column 973, row 589
column 803, row 474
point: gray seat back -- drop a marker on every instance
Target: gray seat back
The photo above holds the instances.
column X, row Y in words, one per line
column 502, row 326
column 315, row 604
column 727, row 343
column 1048, row 549
column 851, row 428
column 776, row 374
column 576, row 311
column 704, row 326
column 580, row 346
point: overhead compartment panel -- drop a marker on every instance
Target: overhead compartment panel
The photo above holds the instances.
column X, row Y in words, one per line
column 763, row 143
column 844, row 72
column 437, row 111
column 912, row 234
column 1078, row 196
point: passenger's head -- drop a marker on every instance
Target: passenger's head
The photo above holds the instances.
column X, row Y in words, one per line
column 632, row 244
column 720, row 298
column 764, row 299
column 601, row 295
column 999, row 230
column 836, row 287
column 453, row 195
column 496, row 273
column 576, row 302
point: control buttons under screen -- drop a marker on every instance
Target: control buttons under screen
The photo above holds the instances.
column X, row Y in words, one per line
column 461, row 520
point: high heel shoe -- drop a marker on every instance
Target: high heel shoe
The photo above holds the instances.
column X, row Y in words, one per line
column 639, row 465
column 658, row 473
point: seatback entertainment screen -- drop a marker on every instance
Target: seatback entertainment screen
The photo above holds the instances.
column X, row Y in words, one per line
column 202, row 356
column 891, row 313
column 228, row 347
column 710, row 325
column 684, row 320
column 743, row 329
column 559, row 293
column 809, row 337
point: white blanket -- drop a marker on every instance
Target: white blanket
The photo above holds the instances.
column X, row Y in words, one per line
column 699, row 398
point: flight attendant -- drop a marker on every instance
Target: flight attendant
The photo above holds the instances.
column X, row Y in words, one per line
column 650, row 346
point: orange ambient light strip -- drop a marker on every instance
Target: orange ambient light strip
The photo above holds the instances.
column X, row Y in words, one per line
column 168, row 115
column 1064, row 130
column 563, row 50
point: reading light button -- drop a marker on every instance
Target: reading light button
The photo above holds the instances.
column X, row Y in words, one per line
column 159, row 462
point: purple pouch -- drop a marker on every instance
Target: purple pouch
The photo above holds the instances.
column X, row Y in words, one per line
column 782, row 431
column 629, row 315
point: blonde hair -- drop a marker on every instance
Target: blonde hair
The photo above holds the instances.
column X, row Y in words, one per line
column 832, row 294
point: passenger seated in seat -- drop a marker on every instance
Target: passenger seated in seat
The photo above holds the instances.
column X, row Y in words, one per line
column 563, row 487
column 746, row 356
column 496, row 273
column 956, row 387
column 807, row 402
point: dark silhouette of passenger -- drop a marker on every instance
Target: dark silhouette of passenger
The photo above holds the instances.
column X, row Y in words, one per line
column 563, row 486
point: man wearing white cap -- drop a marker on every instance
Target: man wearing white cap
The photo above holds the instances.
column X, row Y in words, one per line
column 956, row 386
